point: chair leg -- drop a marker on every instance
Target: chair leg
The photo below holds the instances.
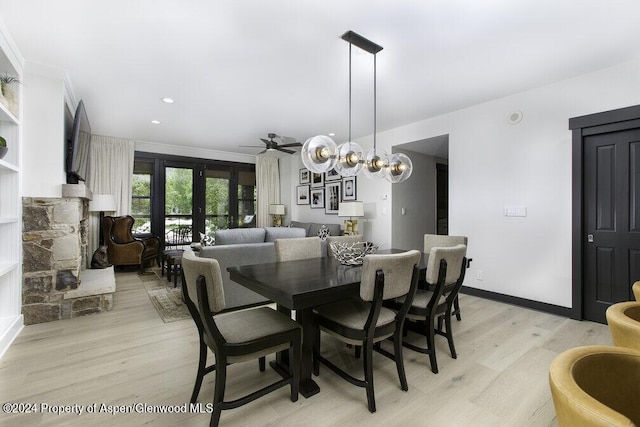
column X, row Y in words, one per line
column 452, row 348
column 456, row 307
column 262, row 364
column 368, row 376
column 397, row 349
column 218, row 393
column 430, row 334
column 202, row 364
column 294, row 366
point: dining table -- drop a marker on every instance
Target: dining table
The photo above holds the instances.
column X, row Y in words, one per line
column 302, row 285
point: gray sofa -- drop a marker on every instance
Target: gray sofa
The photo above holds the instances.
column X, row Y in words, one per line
column 312, row 228
column 245, row 246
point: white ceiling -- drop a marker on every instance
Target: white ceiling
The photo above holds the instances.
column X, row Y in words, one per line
column 240, row 69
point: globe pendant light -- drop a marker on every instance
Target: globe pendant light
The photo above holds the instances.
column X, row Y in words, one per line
column 319, row 154
column 350, row 158
column 399, row 168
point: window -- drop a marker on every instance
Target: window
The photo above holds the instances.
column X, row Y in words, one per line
column 141, row 196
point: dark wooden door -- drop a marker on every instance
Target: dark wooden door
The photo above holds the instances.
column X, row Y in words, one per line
column 611, row 220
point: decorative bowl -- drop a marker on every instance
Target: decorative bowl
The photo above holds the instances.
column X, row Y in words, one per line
column 352, row 253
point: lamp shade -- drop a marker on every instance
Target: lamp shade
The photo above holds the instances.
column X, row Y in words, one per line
column 351, row 209
column 276, row 209
column 102, row 203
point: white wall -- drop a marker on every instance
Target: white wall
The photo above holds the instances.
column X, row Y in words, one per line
column 44, row 139
column 493, row 164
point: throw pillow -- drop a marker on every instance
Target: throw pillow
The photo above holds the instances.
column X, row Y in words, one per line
column 206, row 240
column 323, row 232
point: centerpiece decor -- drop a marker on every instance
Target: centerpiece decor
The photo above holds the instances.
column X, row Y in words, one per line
column 352, row 253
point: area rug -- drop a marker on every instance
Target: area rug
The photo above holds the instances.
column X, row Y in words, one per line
column 167, row 300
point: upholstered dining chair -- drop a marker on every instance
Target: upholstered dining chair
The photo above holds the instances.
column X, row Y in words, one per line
column 297, row 248
column 623, row 319
column 596, row 386
column 438, row 240
column 236, row 336
column 636, row 291
column 445, row 271
column 364, row 321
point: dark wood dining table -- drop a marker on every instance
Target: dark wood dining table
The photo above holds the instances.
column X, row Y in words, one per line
column 302, row 285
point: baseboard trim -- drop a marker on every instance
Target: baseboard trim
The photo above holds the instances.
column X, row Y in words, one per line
column 521, row 302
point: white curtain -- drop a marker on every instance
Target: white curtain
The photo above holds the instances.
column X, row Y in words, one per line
column 267, row 188
column 110, row 172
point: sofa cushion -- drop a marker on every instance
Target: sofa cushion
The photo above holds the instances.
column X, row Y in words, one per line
column 239, row 236
column 273, row 233
column 305, row 225
column 334, row 229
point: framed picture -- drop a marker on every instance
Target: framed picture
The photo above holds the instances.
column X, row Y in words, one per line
column 332, row 197
column 349, row 188
column 332, row 175
column 317, row 198
column 317, row 179
column 303, row 194
column 305, row 176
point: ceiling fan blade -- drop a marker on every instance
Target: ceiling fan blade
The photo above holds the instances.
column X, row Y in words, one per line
column 266, row 141
column 262, row 152
column 296, row 144
column 288, row 140
column 285, row 150
column 250, row 146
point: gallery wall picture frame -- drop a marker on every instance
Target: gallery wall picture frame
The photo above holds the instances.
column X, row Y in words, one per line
column 331, row 175
column 332, row 198
column 317, row 179
column 317, row 198
column 349, row 189
column 305, row 176
column 302, row 193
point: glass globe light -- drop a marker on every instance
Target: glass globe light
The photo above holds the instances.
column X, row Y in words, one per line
column 319, row 154
column 399, row 168
column 350, row 159
column 376, row 162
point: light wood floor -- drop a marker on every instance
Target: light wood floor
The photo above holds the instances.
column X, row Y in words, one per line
column 130, row 356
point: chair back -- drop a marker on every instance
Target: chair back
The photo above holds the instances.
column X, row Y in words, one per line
column 355, row 238
column 636, row 291
column 454, row 258
column 193, row 267
column 117, row 229
column 438, row 240
column 297, row 248
column 596, row 386
column 397, row 270
column 623, row 319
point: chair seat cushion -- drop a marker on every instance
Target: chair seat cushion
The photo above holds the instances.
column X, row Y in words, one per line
column 243, row 326
column 353, row 314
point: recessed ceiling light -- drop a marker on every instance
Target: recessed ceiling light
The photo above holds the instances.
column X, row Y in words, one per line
column 155, row 122
column 168, row 100
column 332, row 134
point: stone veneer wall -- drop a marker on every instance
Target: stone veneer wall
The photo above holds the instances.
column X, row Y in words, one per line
column 54, row 251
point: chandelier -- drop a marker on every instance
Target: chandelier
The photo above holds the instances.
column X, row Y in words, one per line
column 321, row 153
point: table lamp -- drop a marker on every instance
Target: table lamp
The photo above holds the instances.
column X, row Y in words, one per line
column 351, row 210
column 102, row 203
column 277, row 211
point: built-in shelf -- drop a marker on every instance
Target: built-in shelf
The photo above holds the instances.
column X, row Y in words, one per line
column 6, row 267
column 9, row 166
column 7, row 116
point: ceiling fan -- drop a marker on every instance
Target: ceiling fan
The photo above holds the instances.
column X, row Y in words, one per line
column 287, row 141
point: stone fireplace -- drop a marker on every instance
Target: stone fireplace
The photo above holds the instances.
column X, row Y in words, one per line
column 54, row 259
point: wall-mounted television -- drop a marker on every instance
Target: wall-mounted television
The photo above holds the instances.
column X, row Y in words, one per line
column 78, row 147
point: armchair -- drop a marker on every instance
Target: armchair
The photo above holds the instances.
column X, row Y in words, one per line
column 125, row 249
